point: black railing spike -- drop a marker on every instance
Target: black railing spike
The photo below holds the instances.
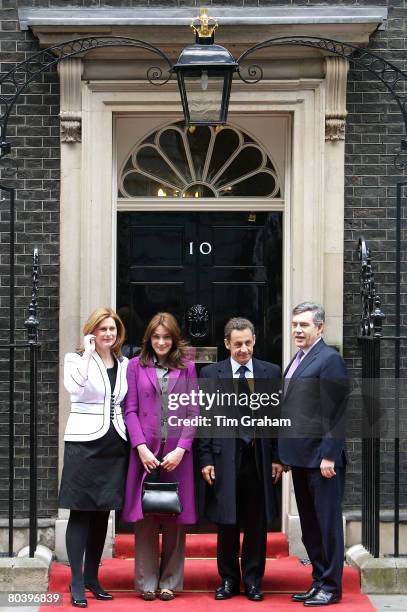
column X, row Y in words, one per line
column 372, row 316
column 32, row 322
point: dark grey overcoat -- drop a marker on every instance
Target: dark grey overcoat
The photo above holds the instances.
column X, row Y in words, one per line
column 220, row 499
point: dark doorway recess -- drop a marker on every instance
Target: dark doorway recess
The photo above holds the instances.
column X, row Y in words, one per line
column 228, row 262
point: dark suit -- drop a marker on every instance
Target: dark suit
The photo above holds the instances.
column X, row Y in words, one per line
column 315, row 400
column 242, row 494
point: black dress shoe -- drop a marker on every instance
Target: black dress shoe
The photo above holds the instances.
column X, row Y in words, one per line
column 78, row 603
column 99, row 593
column 253, row 593
column 323, row 598
column 226, row 590
column 304, row 596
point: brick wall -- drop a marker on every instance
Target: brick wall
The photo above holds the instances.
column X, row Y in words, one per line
column 373, row 136
column 34, row 126
column 373, row 133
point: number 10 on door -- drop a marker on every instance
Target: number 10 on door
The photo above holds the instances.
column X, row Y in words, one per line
column 205, row 248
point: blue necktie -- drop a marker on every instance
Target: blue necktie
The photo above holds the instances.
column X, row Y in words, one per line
column 243, row 384
column 245, row 433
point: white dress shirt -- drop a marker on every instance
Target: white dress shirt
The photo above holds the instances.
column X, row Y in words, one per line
column 235, row 367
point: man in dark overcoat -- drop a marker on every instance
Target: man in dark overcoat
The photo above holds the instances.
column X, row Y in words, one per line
column 241, row 469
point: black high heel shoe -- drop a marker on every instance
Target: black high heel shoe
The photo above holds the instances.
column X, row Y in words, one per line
column 99, row 593
column 78, row 603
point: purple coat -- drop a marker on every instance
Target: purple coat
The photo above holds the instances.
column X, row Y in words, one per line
column 142, row 415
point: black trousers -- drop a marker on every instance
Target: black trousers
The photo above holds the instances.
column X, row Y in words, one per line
column 251, row 516
column 319, row 502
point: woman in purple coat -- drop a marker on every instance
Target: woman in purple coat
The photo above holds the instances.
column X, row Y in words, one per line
column 161, row 449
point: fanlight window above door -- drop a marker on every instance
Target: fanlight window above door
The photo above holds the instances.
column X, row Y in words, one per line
column 202, row 162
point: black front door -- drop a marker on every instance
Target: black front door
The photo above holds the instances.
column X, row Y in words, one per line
column 203, row 267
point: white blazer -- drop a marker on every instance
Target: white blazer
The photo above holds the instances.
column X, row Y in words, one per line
column 91, row 398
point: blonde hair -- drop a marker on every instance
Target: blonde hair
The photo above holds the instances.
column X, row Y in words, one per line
column 95, row 319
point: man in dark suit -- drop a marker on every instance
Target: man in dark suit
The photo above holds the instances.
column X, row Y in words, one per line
column 315, row 394
column 240, row 471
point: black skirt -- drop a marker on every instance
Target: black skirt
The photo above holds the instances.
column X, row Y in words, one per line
column 94, row 473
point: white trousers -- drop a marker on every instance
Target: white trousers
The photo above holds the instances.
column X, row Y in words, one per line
column 150, row 572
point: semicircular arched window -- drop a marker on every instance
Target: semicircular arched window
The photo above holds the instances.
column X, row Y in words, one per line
column 178, row 162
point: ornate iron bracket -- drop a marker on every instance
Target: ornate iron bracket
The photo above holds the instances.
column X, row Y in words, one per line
column 371, row 319
column 16, row 80
column 390, row 75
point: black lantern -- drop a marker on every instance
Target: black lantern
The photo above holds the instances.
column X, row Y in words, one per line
column 204, row 71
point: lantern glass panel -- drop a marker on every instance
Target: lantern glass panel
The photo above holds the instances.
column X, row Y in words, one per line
column 204, row 94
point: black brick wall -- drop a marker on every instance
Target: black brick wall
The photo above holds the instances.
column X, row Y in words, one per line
column 34, row 126
column 373, row 134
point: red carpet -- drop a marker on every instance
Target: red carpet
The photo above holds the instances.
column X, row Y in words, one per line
column 202, row 545
column 204, row 602
column 283, row 576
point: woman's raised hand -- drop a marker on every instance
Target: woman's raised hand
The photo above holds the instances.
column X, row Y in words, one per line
column 89, row 344
column 172, row 459
column 147, row 458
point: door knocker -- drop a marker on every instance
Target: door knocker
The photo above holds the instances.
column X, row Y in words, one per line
column 197, row 318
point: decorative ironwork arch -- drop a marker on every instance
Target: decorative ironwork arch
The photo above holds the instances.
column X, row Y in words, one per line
column 25, row 72
column 390, row 75
column 19, row 77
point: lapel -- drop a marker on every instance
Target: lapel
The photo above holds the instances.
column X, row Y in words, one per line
column 259, row 375
column 118, row 384
column 289, row 366
column 103, row 372
column 100, row 366
column 306, row 361
column 259, row 371
column 225, row 369
column 225, row 375
column 172, row 379
column 152, row 376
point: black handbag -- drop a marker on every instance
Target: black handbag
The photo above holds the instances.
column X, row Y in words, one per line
column 161, row 498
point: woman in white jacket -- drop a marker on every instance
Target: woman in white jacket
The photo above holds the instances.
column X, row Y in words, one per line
column 96, row 449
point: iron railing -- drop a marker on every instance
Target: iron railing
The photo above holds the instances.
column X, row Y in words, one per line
column 32, row 343
column 371, row 339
